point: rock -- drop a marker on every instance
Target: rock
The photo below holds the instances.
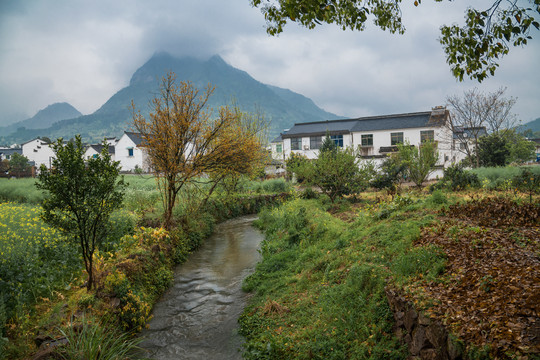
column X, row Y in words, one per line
column 410, row 319
column 429, row 354
column 423, row 319
column 419, row 341
column 436, row 335
column 40, row 339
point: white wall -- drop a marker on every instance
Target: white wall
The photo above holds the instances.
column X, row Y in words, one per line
column 310, row 153
column 128, row 163
column 38, row 151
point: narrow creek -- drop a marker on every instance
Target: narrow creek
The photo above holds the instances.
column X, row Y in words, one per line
column 197, row 317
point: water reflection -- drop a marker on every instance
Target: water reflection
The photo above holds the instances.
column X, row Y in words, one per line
column 197, row 317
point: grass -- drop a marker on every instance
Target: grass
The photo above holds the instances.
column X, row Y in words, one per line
column 501, row 177
column 316, row 264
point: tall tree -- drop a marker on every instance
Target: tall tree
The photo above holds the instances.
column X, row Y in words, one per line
column 19, row 165
column 419, row 161
column 475, row 114
column 81, row 195
column 472, row 50
column 183, row 141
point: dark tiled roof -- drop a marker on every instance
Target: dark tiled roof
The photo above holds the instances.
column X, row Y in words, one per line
column 370, row 123
column 99, row 147
column 278, row 139
column 135, row 137
column 465, row 132
column 10, row 151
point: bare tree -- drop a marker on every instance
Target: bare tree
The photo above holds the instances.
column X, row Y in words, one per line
column 475, row 114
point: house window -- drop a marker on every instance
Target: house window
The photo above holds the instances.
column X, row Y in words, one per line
column 315, row 142
column 396, row 138
column 296, row 143
column 367, row 140
column 95, row 156
column 338, row 140
column 130, row 151
column 428, row 135
column 279, row 148
column 462, row 146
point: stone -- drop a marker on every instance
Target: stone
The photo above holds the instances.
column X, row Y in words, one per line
column 436, row 335
column 429, row 354
column 423, row 319
column 419, row 341
column 410, row 319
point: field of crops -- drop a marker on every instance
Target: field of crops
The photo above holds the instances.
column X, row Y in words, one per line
column 34, row 258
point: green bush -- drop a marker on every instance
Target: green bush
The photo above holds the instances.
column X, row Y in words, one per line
column 96, row 341
column 455, row 178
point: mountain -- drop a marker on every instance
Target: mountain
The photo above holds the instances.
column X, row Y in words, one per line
column 534, row 126
column 44, row 118
column 281, row 107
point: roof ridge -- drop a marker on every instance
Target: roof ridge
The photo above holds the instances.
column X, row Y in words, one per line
column 371, row 117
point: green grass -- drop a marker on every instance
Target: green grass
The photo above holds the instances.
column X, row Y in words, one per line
column 499, row 177
column 319, row 290
column 20, row 190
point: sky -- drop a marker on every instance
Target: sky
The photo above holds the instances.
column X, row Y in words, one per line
column 83, row 52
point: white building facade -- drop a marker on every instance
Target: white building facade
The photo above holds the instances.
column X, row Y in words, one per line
column 374, row 137
column 130, row 154
column 39, row 152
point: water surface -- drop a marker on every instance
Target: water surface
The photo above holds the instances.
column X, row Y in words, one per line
column 197, row 317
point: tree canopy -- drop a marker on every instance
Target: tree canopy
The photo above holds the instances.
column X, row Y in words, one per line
column 472, row 50
column 183, row 142
column 81, row 196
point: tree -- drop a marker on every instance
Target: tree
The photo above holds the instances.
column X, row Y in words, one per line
column 477, row 113
column 81, row 195
column 472, row 50
column 521, row 149
column 18, row 164
column 183, row 142
column 419, row 162
column 493, row 150
column 390, row 174
column 336, row 171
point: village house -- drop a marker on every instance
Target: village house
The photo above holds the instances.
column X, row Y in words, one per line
column 38, row 152
column 93, row 151
column 7, row 152
column 130, row 154
column 374, row 136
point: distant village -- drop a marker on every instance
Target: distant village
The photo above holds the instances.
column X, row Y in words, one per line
column 375, row 137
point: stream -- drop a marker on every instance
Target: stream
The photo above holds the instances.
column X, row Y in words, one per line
column 197, row 317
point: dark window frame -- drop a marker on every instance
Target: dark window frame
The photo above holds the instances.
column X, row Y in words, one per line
column 367, row 140
column 427, row 135
column 396, row 138
column 315, row 142
column 338, row 140
column 296, row 143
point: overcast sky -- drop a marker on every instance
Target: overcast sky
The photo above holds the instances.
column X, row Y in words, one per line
column 82, row 52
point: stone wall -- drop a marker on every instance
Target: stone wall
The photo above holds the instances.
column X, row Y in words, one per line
column 426, row 339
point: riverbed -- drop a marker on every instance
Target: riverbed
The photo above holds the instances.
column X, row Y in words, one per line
column 197, row 317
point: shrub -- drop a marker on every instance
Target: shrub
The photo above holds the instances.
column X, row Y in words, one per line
column 527, row 182
column 94, row 340
column 455, row 178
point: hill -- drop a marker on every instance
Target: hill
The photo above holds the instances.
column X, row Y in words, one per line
column 44, row 118
column 281, row 107
column 533, row 126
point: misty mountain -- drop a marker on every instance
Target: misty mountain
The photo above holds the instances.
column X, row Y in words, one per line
column 534, row 126
column 281, row 107
column 44, row 118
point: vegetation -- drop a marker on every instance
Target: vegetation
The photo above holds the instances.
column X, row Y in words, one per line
column 335, row 171
column 183, row 142
column 418, row 162
column 81, row 196
column 472, row 50
column 319, row 291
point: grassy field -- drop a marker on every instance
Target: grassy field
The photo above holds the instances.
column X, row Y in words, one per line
column 41, row 271
column 319, row 292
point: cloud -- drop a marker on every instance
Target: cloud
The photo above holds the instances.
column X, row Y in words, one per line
column 83, row 52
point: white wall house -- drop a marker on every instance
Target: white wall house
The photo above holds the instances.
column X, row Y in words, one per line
column 93, row 151
column 39, row 152
column 374, row 136
column 129, row 152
